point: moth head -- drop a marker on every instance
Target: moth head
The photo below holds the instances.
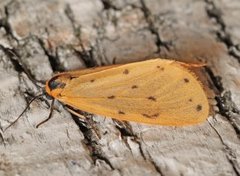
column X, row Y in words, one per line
column 56, row 84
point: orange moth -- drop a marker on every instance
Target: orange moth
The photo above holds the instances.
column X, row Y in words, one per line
column 156, row 91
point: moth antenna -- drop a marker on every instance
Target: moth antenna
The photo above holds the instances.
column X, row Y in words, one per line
column 49, row 116
column 29, row 103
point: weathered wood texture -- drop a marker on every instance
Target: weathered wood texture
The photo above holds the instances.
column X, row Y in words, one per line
column 57, row 35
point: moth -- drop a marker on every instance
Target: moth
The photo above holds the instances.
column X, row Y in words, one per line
column 156, row 91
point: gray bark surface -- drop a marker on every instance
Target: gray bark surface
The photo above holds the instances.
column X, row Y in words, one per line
column 40, row 38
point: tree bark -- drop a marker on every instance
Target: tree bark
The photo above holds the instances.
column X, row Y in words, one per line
column 40, row 38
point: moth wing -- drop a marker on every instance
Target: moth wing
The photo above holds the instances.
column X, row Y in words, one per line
column 155, row 91
column 78, row 73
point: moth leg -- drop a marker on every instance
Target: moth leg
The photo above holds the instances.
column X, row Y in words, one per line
column 75, row 113
column 50, row 114
column 89, row 124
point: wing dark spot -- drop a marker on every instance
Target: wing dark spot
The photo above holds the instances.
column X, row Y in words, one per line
column 152, row 98
column 190, row 100
column 155, row 115
column 151, row 116
column 134, row 87
column 126, row 71
column 72, row 77
column 146, row 115
column 199, row 107
column 161, row 68
column 111, row 97
column 92, row 80
column 121, row 112
column 186, row 80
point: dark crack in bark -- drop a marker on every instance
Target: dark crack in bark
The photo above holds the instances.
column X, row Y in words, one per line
column 225, row 104
column 53, row 59
column 216, row 80
column 222, row 34
column 2, row 140
column 228, row 109
column 13, row 56
column 107, row 4
column 230, row 154
column 18, row 65
column 157, row 168
column 126, row 131
column 85, row 55
column 153, row 29
column 91, row 140
column 5, row 24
